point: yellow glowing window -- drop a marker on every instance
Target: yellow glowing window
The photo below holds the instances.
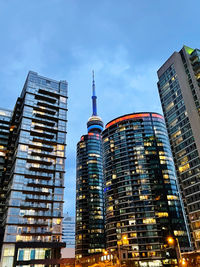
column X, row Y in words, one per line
column 172, row 197
column 60, row 147
column 106, row 139
column 184, row 160
column 122, row 129
column 23, row 147
column 18, row 238
column 162, row 214
column 184, row 168
column 132, row 222
column 170, row 106
column 143, row 197
column 58, row 221
column 94, row 155
column 91, row 161
column 147, row 144
column 82, row 145
column 112, row 145
column 108, row 183
column 162, row 157
column 149, row 221
column 114, row 176
column 166, row 176
column 133, row 234
column 197, row 234
column 9, row 251
column 176, row 134
column 179, row 233
column 110, row 208
column 60, row 154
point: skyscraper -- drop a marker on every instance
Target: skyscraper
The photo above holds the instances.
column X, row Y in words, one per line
column 179, row 81
column 34, row 174
column 141, row 196
column 68, row 232
column 89, row 188
column 5, row 117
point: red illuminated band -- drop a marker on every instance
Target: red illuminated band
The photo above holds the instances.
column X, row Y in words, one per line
column 133, row 116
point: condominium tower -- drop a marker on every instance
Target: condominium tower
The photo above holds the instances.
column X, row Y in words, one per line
column 5, row 117
column 179, row 89
column 89, row 188
column 34, row 175
column 142, row 202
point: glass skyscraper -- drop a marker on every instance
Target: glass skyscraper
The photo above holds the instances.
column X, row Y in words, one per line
column 68, row 231
column 5, row 117
column 141, row 196
column 89, row 189
column 179, row 84
column 34, row 175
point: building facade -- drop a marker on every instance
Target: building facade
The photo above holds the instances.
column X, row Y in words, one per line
column 34, row 174
column 142, row 202
column 89, row 189
column 178, row 85
column 68, row 230
column 5, row 117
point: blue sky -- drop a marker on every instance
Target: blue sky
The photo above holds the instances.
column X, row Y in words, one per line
column 124, row 41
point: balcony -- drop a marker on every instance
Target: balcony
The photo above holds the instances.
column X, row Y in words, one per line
column 37, row 176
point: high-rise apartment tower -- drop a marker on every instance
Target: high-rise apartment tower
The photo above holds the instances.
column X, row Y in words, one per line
column 89, row 188
column 34, row 175
column 179, row 89
column 142, row 202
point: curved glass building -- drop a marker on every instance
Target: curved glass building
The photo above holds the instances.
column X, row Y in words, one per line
column 89, row 189
column 142, row 203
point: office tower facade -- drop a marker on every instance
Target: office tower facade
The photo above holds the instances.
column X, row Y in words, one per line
column 141, row 195
column 34, row 175
column 68, row 231
column 180, row 97
column 89, row 189
column 5, row 117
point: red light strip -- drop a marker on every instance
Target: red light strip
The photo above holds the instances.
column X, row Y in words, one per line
column 134, row 116
column 157, row 116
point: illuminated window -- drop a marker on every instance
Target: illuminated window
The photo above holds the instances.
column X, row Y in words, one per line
column 197, row 234
column 9, row 251
column 149, row 221
column 82, row 145
column 162, row 214
column 179, row 233
column 63, row 99
column 133, row 234
column 172, row 197
column 110, row 208
column 184, row 168
column 23, row 147
column 144, row 197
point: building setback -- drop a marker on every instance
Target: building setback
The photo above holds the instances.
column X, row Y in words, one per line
column 89, row 189
column 34, row 174
column 179, row 84
column 141, row 195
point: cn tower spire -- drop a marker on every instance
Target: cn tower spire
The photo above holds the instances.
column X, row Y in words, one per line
column 94, row 97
